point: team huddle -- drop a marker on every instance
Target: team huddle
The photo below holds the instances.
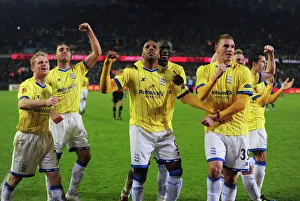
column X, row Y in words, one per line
column 232, row 95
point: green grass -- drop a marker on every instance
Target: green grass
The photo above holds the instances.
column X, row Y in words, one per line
column 109, row 139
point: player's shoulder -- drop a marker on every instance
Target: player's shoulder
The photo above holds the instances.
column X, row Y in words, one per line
column 206, row 66
column 29, row 81
column 240, row 67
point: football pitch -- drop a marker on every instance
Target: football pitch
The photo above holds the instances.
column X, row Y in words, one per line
column 109, row 140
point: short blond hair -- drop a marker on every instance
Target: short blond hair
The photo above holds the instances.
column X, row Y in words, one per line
column 32, row 60
column 238, row 51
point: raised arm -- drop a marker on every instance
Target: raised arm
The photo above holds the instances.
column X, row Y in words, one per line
column 108, row 85
column 286, row 85
column 92, row 58
column 271, row 66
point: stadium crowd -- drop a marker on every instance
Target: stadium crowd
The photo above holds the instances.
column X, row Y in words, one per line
column 189, row 26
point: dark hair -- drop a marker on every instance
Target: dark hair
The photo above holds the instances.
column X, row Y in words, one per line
column 223, row 36
column 254, row 57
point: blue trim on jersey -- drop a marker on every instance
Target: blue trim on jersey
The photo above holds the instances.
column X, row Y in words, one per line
column 81, row 163
column 49, row 170
column 64, row 70
column 230, row 185
column 150, row 70
column 215, row 159
column 21, row 175
column 236, row 170
column 139, row 166
column 258, row 149
column 260, row 75
column 182, row 95
column 213, row 179
column 255, row 97
column 78, row 148
column 118, row 83
column 200, row 85
column 85, row 64
column 40, row 85
column 23, row 97
column 261, row 163
column 56, row 187
column 250, row 93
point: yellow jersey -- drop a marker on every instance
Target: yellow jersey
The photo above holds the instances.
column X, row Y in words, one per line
column 66, row 85
column 34, row 121
column 256, row 113
column 85, row 83
column 149, row 93
column 235, row 80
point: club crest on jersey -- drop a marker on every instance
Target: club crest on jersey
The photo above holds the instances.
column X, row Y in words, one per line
column 229, row 79
column 38, row 96
column 72, row 75
column 162, row 81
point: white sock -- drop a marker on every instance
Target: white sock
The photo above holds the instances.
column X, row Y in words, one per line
column 251, row 186
column 57, row 193
column 162, row 177
column 49, row 195
column 214, row 188
column 77, row 175
column 84, row 104
column 173, row 188
column 259, row 173
column 81, row 106
column 137, row 192
column 7, row 192
column 229, row 192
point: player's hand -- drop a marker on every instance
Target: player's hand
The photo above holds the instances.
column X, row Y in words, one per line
column 111, row 56
column 56, row 118
column 52, row 101
column 84, row 27
column 287, row 84
column 208, row 121
column 220, row 71
column 271, row 81
column 268, row 49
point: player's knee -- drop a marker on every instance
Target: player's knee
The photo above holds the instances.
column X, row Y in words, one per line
column 215, row 171
column 140, row 174
column 176, row 172
column 84, row 157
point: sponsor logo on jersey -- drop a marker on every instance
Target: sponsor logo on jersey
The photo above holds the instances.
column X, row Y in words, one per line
column 222, row 92
column 65, row 89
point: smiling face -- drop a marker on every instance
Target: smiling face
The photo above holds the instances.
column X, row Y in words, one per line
column 150, row 51
column 63, row 53
column 40, row 66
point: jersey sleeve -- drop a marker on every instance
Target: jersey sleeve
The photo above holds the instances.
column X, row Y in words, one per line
column 25, row 91
column 245, row 82
column 122, row 79
column 82, row 67
column 201, row 78
column 179, row 91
